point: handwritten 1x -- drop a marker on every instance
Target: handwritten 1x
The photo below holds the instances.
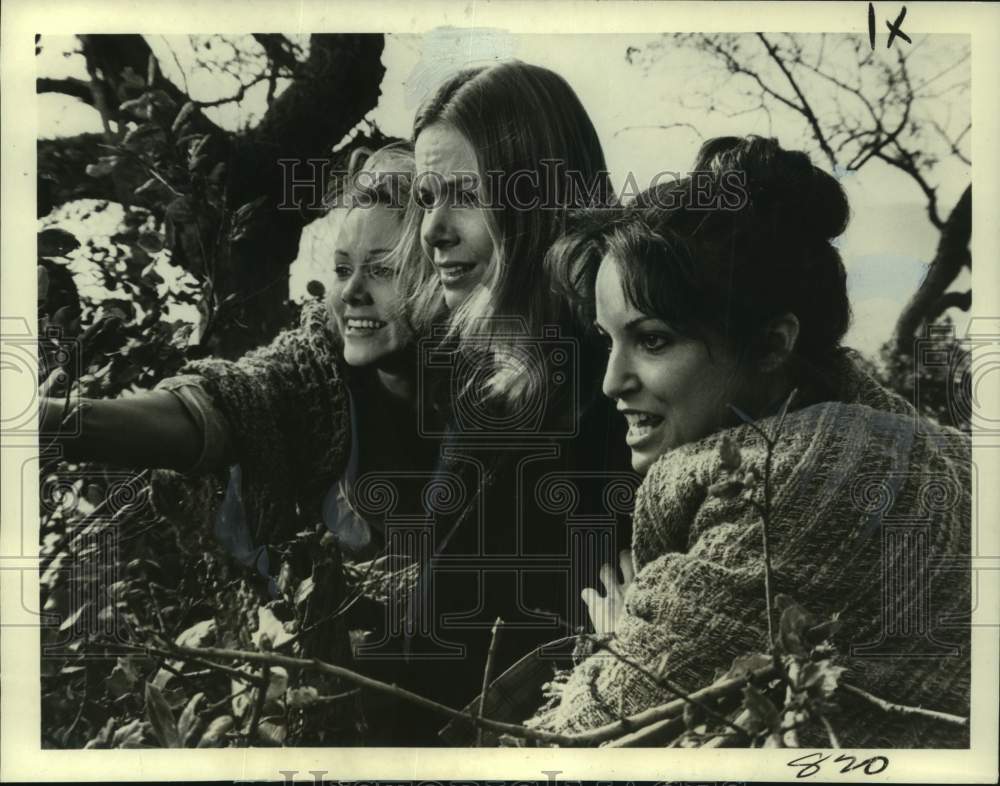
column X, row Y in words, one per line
column 894, row 27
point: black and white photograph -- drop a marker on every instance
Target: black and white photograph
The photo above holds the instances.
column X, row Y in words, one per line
column 471, row 377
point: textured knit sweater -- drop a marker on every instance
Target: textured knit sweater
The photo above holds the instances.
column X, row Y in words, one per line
column 289, row 421
column 859, row 486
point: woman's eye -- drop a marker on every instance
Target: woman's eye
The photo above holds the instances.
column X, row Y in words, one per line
column 654, row 342
column 468, row 198
column 343, row 272
column 425, row 199
column 381, row 271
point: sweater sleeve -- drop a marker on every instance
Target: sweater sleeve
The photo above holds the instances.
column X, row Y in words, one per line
column 287, row 412
column 698, row 599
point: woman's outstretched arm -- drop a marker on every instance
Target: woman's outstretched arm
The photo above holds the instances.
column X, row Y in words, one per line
column 151, row 429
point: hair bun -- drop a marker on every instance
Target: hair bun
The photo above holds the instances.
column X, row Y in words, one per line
column 786, row 190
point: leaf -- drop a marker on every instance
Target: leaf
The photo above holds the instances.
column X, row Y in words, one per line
column 745, row 665
column 150, row 242
column 305, row 589
column 316, row 289
column 43, row 283
column 161, row 718
column 214, row 734
column 186, row 111
column 56, row 243
column 146, row 186
column 187, row 724
column 729, row 453
column 129, row 735
column 272, row 732
column 103, row 737
column 761, row 708
column 201, row 634
column 123, row 678
column 302, row 697
column 181, row 210
column 278, row 683
column 271, row 627
column 791, row 629
column 105, row 166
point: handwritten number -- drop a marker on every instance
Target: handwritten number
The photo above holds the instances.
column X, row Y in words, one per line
column 807, row 767
column 871, row 25
column 881, row 760
column 809, row 764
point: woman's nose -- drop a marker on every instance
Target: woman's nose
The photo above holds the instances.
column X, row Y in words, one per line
column 438, row 230
column 355, row 290
column 619, row 376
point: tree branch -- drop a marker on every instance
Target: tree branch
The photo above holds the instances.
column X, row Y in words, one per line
column 903, row 709
column 70, row 86
column 804, row 107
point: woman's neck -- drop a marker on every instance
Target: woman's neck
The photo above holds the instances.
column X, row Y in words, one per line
column 398, row 384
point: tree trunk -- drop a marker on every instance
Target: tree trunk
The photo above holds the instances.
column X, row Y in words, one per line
column 931, row 298
column 332, row 91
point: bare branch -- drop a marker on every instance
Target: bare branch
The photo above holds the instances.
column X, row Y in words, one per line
column 803, row 107
column 663, row 126
column 903, row 709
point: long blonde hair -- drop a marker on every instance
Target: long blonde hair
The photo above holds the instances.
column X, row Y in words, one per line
column 518, row 118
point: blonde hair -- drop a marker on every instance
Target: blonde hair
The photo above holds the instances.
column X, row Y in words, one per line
column 518, row 118
column 383, row 178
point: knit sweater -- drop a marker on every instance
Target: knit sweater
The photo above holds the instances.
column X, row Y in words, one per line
column 854, row 483
column 287, row 408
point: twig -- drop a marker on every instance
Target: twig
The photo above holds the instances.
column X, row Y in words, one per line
column 258, row 705
column 903, row 709
column 670, row 685
column 488, row 676
column 595, row 736
column 653, row 734
column 834, row 742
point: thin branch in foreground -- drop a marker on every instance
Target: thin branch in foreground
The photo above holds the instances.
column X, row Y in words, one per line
column 670, row 685
column 903, row 709
column 488, row 676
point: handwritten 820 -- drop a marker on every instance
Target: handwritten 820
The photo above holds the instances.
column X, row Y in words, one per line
column 810, row 764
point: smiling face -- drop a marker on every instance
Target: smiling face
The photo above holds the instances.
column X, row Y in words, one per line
column 668, row 386
column 364, row 298
column 453, row 232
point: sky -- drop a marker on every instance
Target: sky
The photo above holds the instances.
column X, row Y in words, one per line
column 885, row 248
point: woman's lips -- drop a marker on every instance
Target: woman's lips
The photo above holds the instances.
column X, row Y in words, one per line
column 454, row 274
column 356, row 327
column 642, row 428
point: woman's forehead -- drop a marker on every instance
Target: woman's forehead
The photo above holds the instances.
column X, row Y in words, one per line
column 368, row 227
column 441, row 149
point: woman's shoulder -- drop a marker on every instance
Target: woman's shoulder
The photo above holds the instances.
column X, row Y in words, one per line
column 822, row 454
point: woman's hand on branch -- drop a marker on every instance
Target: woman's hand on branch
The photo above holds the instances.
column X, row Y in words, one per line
column 605, row 610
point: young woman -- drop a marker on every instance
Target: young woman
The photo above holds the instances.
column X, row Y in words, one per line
column 288, row 419
column 503, row 152
column 713, row 316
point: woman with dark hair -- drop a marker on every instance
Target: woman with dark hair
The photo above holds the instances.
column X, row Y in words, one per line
column 713, row 317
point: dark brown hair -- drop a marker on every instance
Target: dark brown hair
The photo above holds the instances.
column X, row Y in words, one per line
column 693, row 256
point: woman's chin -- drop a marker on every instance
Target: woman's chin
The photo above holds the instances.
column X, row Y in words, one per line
column 643, row 460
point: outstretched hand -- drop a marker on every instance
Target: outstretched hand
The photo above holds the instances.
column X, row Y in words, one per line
column 606, row 610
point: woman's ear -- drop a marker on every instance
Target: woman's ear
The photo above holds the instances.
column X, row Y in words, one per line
column 780, row 337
